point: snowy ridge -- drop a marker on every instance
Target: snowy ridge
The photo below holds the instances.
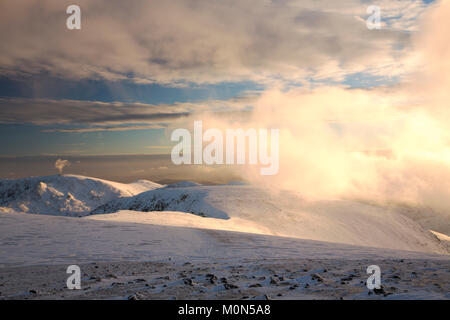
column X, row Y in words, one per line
column 234, row 207
column 68, row 195
column 287, row 215
column 189, row 200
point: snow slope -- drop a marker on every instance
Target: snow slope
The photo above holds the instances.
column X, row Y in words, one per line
column 286, row 215
column 235, row 207
column 121, row 259
column 39, row 239
column 68, row 195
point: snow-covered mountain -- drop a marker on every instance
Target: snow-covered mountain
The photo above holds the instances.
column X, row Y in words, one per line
column 192, row 199
column 234, row 207
column 68, row 195
column 338, row 221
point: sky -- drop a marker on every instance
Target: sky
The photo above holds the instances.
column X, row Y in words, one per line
column 134, row 72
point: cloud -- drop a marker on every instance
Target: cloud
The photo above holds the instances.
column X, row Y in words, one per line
column 108, row 116
column 174, row 42
column 383, row 145
column 99, row 129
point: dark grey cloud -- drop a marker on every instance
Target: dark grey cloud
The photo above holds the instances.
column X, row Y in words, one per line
column 109, row 115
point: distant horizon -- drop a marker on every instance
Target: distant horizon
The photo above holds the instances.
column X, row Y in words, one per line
column 119, row 168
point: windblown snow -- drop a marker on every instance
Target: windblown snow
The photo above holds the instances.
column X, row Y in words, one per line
column 234, row 207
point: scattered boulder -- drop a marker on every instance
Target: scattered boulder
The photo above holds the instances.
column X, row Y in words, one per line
column 380, row 291
column 229, row 286
column 317, row 277
column 136, row 296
